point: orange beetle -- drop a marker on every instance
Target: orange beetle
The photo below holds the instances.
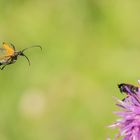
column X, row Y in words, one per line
column 9, row 55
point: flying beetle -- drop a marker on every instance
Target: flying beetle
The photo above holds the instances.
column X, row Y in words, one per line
column 9, row 54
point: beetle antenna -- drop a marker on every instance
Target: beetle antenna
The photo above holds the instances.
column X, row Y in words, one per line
column 27, row 59
column 37, row 46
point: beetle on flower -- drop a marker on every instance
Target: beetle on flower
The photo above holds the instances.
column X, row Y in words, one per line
column 129, row 122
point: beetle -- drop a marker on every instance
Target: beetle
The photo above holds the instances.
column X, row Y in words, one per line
column 125, row 87
column 9, row 54
column 128, row 89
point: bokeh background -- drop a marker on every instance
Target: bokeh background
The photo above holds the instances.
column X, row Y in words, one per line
column 67, row 93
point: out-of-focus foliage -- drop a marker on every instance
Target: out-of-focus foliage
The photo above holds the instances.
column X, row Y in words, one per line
column 66, row 94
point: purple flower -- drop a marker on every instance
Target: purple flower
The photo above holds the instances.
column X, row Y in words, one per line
column 129, row 122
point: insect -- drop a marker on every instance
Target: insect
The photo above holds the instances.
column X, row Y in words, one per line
column 128, row 89
column 125, row 87
column 9, row 54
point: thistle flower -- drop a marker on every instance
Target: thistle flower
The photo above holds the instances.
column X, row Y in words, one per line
column 129, row 122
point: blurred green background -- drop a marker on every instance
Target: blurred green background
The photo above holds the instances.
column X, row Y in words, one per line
column 66, row 94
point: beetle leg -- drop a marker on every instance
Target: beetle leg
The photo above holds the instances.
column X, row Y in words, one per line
column 7, row 63
column 13, row 46
column 3, row 66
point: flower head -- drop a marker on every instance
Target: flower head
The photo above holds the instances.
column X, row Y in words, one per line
column 129, row 122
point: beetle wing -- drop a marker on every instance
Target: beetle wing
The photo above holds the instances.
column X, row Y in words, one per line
column 6, row 51
column 9, row 50
column 2, row 53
